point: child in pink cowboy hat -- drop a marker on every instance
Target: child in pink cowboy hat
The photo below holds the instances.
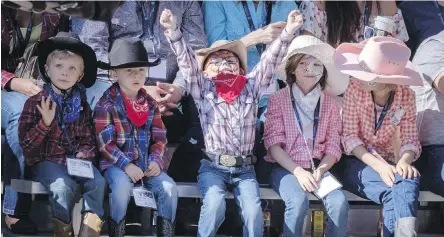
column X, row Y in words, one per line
column 377, row 103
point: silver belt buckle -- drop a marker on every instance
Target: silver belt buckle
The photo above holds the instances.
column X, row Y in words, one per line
column 227, row 160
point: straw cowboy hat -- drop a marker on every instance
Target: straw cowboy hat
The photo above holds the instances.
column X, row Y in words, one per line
column 381, row 59
column 236, row 47
column 337, row 82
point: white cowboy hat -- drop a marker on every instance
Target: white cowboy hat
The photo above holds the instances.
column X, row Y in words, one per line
column 236, row 47
column 337, row 82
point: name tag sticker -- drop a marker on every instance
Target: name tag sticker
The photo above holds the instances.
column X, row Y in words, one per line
column 144, row 198
column 327, row 184
column 80, row 168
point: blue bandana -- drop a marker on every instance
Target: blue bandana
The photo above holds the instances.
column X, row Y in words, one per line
column 68, row 109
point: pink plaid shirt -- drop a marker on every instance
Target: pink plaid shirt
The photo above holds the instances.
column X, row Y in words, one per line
column 228, row 128
column 281, row 127
column 359, row 122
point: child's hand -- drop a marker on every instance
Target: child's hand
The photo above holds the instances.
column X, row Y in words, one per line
column 153, row 170
column 80, row 155
column 134, row 172
column 294, row 21
column 48, row 109
column 168, row 20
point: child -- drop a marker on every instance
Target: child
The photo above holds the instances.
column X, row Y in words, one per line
column 56, row 124
column 377, row 103
column 227, row 101
column 132, row 138
column 302, row 133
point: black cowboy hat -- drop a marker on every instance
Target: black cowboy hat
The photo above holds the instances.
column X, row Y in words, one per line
column 128, row 53
column 71, row 42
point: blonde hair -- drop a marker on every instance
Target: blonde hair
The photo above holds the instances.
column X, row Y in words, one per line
column 63, row 54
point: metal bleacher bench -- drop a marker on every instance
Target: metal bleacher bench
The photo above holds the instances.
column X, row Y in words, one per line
column 190, row 190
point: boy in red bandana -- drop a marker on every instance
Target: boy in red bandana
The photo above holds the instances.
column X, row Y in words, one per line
column 132, row 138
column 227, row 101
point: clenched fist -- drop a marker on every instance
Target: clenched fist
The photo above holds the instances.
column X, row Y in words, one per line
column 168, row 20
column 294, row 21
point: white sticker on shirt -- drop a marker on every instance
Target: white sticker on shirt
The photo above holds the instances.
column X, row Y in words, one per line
column 396, row 116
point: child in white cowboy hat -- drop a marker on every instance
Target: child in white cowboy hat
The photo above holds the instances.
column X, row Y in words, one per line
column 377, row 103
column 302, row 133
column 56, row 124
column 227, row 101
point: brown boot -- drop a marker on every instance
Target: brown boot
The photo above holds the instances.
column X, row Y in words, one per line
column 91, row 225
column 61, row 229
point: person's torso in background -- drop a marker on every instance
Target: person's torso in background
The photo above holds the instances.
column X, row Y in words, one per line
column 237, row 24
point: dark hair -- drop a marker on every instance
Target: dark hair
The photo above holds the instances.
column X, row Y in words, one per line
column 343, row 20
column 291, row 65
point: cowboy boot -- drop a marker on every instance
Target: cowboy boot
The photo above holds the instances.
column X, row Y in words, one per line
column 91, row 225
column 407, row 227
column 164, row 227
column 61, row 229
column 116, row 229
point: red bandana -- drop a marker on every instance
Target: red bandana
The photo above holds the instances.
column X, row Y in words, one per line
column 137, row 111
column 229, row 86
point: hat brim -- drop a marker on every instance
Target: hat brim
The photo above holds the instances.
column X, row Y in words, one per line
column 346, row 60
column 337, row 82
column 73, row 45
column 108, row 66
column 236, row 47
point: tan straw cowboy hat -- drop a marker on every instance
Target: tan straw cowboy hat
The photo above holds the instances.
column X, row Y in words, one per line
column 236, row 47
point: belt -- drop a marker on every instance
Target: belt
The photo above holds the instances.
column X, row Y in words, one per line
column 230, row 161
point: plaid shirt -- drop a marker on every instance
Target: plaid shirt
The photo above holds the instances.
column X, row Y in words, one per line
column 116, row 135
column 40, row 142
column 281, row 127
column 228, row 128
column 359, row 122
column 50, row 25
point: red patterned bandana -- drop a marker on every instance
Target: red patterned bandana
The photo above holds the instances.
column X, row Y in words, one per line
column 229, row 86
column 137, row 111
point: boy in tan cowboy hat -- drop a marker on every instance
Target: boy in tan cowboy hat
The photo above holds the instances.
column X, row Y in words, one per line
column 227, row 101
column 377, row 103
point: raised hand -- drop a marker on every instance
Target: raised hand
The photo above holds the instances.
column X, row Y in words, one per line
column 270, row 32
column 48, row 109
column 294, row 21
column 168, row 20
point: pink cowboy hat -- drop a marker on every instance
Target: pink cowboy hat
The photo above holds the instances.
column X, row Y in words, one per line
column 381, row 60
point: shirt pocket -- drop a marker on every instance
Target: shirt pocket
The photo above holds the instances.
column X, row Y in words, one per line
column 248, row 109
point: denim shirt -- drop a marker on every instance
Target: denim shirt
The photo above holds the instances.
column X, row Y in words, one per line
column 226, row 20
column 127, row 21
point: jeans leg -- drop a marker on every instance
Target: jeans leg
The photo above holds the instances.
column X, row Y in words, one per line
column 95, row 92
column 399, row 201
column 165, row 190
column 247, row 195
column 431, row 167
column 120, row 186
column 94, row 192
column 12, row 107
column 62, row 187
column 212, row 185
column 336, row 206
column 295, row 199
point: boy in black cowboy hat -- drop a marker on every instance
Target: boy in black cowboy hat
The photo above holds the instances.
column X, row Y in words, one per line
column 132, row 138
column 56, row 124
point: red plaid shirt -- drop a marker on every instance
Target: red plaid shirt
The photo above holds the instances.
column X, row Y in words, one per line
column 359, row 122
column 281, row 127
column 40, row 142
column 50, row 27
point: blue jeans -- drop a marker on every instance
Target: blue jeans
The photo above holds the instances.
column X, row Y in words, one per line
column 95, row 92
column 163, row 187
column 397, row 202
column 296, row 205
column 12, row 107
column 213, row 181
column 431, row 167
column 64, row 189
